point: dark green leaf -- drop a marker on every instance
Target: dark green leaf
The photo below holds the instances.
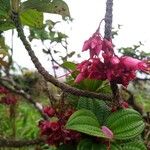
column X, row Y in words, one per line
column 62, row 35
column 85, row 144
column 71, row 54
column 88, row 144
column 41, row 34
column 56, row 6
column 137, row 145
column 98, row 107
column 125, row 124
column 6, row 25
column 4, row 8
column 69, row 65
column 115, row 147
column 32, row 18
column 86, row 122
column 94, row 85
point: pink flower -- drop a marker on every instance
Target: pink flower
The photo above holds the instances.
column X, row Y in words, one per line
column 3, row 90
column 120, row 70
column 96, row 70
column 114, row 60
column 80, row 77
column 83, row 69
column 54, row 126
column 124, row 104
column 45, row 127
column 49, row 111
column 120, row 75
column 8, row 100
column 107, row 132
column 107, row 46
column 92, row 69
column 94, row 44
column 134, row 64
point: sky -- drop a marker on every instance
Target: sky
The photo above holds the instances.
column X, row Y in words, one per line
column 133, row 15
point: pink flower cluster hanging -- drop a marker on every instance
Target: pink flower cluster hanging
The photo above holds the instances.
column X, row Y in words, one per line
column 120, row 70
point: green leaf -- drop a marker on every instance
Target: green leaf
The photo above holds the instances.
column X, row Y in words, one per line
column 4, row 8
column 116, row 147
column 5, row 22
column 41, row 34
column 62, row 36
column 92, row 85
column 98, row 107
column 86, row 122
column 87, row 144
column 6, row 25
column 32, row 18
column 125, row 124
column 55, row 7
column 73, row 100
column 69, row 65
column 71, row 54
column 137, row 145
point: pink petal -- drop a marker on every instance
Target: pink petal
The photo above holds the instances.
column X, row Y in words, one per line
column 107, row 132
column 98, row 49
column 86, row 45
column 107, row 45
column 93, row 43
column 114, row 60
column 133, row 63
column 143, row 66
column 92, row 53
column 79, row 78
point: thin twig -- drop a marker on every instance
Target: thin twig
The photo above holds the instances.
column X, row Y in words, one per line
column 19, row 143
column 25, row 95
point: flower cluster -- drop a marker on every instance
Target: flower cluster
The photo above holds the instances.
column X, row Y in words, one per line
column 6, row 97
column 120, row 70
column 55, row 132
column 3, row 90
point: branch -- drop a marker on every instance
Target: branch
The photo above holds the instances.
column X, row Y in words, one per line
column 21, row 92
column 65, row 88
column 108, row 19
column 108, row 35
column 19, row 143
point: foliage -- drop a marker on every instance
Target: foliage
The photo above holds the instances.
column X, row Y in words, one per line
column 25, row 121
column 98, row 107
column 134, row 51
column 69, row 122
column 85, row 121
column 56, row 6
column 3, row 52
